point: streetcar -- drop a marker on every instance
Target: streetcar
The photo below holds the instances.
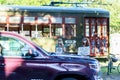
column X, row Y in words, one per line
column 45, row 24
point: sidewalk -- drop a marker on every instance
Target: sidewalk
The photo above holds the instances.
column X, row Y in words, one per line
column 111, row 77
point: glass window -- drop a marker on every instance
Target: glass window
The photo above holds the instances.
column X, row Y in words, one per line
column 99, row 27
column 46, row 31
column 58, row 31
column 92, row 27
column 104, row 31
column 104, row 28
column 87, row 27
column 13, row 47
column 70, row 30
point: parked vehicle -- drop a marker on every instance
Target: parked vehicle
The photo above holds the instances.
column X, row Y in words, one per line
column 22, row 59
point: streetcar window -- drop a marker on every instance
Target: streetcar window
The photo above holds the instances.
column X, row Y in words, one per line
column 104, row 23
column 86, row 27
column 58, row 31
column 99, row 27
column 70, row 31
column 46, row 31
column 92, row 27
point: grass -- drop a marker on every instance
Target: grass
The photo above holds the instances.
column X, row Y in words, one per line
column 112, row 76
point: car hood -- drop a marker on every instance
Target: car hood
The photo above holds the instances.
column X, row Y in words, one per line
column 73, row 58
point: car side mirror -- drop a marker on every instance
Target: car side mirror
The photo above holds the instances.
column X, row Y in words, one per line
column 31, row 53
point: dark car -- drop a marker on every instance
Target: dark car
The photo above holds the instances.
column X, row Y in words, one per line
column 20, row 59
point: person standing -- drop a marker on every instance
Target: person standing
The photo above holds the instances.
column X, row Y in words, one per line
column 85, row 49
column 59, row 48
column 85, row 41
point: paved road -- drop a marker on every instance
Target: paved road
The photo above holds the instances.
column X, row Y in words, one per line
column 114, row 75
column 111, row 77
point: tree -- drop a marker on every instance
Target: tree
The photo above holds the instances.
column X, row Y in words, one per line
column 113, row 7
column 25, row 2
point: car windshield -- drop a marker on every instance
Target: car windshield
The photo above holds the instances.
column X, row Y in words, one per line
column 43, row 50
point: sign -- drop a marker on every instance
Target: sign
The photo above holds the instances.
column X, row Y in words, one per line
column 70, row 41
column 84, row 51
column 115, row 43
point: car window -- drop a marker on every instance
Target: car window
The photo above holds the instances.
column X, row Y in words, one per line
column 13, row 47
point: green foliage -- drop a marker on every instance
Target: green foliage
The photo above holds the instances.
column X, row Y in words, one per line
column 25, row 2
column 114, row 7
